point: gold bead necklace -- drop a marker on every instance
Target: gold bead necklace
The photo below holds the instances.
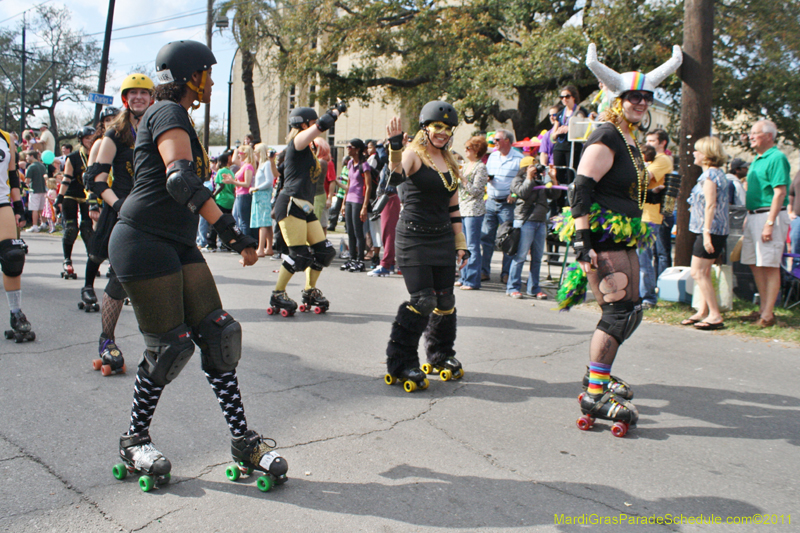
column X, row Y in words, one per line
column 641, row 172
column 453, row 185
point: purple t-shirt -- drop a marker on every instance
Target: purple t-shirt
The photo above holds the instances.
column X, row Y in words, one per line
column 356, row 174
column 547, row 146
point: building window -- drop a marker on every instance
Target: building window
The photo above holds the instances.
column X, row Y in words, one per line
column 312, row 96
column 292, row 97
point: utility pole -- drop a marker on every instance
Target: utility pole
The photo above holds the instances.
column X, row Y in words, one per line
column 22, row 84
column 696, row 101
column 101, row 83
column 209, row 31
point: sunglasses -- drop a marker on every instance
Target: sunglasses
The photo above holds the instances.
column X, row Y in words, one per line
column 636, row 97
column 440, row 127
column 553, row 115
column 566, row 96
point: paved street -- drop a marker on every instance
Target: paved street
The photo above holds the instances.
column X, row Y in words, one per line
column 499, row 450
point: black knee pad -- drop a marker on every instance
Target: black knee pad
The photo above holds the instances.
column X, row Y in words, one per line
column 12, row 257
column 167, row 354
column 220, row 339
column 298, row 259
column 620, row 319
column 445, row 299
column 324, row 252
column 424, row 301
column 87, row 231
column 114, row 288
column 70, row 231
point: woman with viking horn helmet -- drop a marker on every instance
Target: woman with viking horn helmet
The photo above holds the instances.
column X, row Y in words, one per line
column 173, row 293
column 605, row 225
column 301, row 230
column 428, row 238
column 114, row 157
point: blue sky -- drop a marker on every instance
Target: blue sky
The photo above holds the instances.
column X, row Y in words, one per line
column 129, row 45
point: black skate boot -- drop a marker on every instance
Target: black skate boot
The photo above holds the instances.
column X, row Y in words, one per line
column 68, row 272
column 616, row 385
column 280, row 302
column 313, row 298
column 440, row 336
column 141, row 457
column 402, row 361
column 20, row 328
column 356, row 266
column 88, row 300
column 110, row 361
column 254, row 452
column 346, row 265
column 608, row 406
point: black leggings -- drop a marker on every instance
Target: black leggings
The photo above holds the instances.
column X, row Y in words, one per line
column 69, row 211
column 421, row 277
column 355, row 230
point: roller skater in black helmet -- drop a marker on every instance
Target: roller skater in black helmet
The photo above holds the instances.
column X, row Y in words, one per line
column 155, row 257
column 308, row 249
column 610, row 190
column 72, row 199
column 12, row 249
column 115, row 157
column 428, row 238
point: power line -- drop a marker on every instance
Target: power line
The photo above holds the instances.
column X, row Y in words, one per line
column 156, row 21
column 157, row 32
column 21, row 12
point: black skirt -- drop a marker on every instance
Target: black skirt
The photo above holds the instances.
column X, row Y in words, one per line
column 98, row 247
column 421, row 244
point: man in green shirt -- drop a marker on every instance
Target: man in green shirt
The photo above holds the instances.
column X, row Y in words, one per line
column 767, row 220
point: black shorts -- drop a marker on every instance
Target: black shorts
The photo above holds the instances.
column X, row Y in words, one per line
column 138, row 255
column 282, row 209
column 717, row 241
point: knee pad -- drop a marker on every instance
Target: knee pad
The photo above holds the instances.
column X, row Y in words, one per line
column 298, row 259
column 70, row 230
column 445, row 300
column 167, row 354
column 114, row 288
column 620, row 319
column 12, row 257
column 86, row 230
column 424, row 301
column 220, row 340
column 324, row 252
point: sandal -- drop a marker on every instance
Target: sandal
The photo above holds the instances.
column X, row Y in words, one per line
column 705, row 326
column 689, row 322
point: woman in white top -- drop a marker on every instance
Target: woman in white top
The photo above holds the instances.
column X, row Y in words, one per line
column 261, row 212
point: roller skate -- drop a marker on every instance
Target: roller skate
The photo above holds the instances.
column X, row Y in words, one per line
column 412, row 379
column 68, row 272
column 313, row 298
column 448, row 369
column 89, row 300
column 254, row 452
column 356, row 266
column 616, row 385
column 139, row 456
column 110, row 360
column 20, row 328
column 280, row 302
column 346, row 265
column 607, row 406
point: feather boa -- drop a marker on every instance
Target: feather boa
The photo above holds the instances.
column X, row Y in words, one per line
column 611, row 225
column 573, row 287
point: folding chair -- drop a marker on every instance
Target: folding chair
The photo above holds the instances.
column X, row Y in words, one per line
column 791, row 281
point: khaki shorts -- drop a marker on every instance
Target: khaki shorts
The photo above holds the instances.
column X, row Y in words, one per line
column 757, row 252
column 36, row 201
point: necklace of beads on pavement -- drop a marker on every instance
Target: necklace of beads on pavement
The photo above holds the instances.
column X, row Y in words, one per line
column 641, row 172
column 423, row 154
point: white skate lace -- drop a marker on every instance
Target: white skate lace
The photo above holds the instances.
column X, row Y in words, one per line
column 145, row 455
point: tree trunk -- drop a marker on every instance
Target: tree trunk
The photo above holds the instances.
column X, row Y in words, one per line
column 527, row 120
column 696, row 100
column 51, row 113
column 248, row 64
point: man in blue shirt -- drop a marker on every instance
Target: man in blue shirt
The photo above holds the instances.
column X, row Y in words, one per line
column 502, row 166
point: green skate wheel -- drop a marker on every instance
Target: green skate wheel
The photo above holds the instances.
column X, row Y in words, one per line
column 249, row 470
column 120, row 471
column 264, row 483
column 166, row 477
column 232, row 472
column 146, row 483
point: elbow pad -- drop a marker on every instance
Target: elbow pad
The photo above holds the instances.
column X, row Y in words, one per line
column 185, row 186
column 326, row 121
column 94, row 170
column 13, row 179
column 396, row 178
column 581, row 202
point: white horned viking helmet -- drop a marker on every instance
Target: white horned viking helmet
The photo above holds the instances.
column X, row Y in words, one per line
column 616, row 83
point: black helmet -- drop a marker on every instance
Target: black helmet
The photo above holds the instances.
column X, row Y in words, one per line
column 87, row 131
column 109, row 111
column 438, row 111
column 301, row 115
column 178, row 60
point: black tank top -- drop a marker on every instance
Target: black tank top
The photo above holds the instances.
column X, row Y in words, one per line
column 122, row 165
column 78, row 160
column 425, row 198
column 301, row 173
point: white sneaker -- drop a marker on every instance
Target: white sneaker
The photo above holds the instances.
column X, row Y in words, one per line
column 43, row 226
column 33, row 229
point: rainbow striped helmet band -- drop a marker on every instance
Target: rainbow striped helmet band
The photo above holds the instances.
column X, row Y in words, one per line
column 616, row 83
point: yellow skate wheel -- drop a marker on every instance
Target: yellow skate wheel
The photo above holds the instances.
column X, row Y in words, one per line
column 424, row 384
column 445, row 374
column 428, row 369
column 409, row 386
column 460, row 373
column 389, row 379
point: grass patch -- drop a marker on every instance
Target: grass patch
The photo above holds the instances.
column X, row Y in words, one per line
column 787, row 328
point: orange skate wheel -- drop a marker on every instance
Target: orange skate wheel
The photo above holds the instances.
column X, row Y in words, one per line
column 619, row 429
column 124, row 368
column 584, row 423
column 97, row 363
column 106, row 370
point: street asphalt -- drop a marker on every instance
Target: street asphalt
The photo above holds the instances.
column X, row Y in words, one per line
column 499, row 450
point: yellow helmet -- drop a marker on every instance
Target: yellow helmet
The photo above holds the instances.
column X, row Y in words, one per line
column 136, row 81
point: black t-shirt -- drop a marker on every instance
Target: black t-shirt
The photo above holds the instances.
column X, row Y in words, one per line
column 301, row 173
column 618, row 189
column 78, row 161
column 425, row 198
column 149, row 206
column 122, row 166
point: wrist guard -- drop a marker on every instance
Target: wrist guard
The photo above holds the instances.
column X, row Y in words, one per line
column 341, row 107
column 59, row 199
column 92, row 202
column 326, row 121
column 396, row 141
column 582, row 244
column 18, row 208
column 13, row 179
column 185, row 186
column 395, row 156
column 461, row 243
column 231, row 235
column 581, row 202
